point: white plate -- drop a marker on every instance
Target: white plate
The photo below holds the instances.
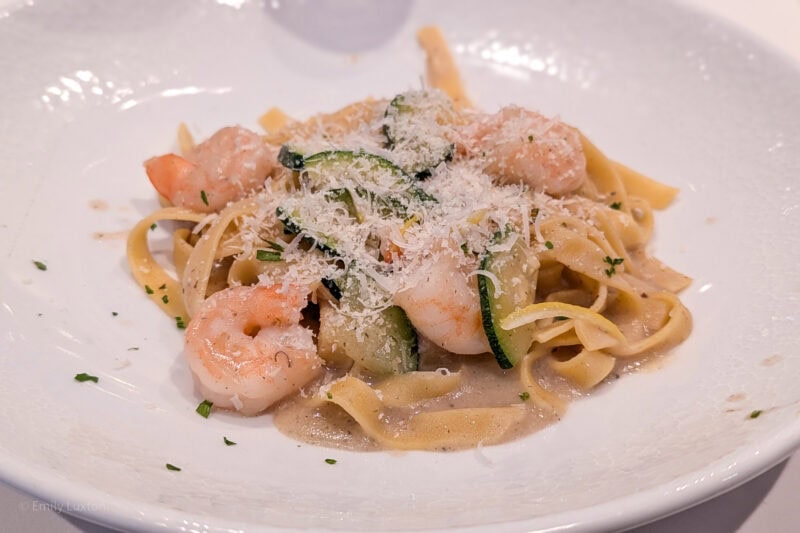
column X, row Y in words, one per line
column 90, row 89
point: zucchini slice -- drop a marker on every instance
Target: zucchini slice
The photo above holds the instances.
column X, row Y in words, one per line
column 513, row 269
column 343, row 195
column 343, row 166
column 413, row 130
column 384, row 342
column 294, row 224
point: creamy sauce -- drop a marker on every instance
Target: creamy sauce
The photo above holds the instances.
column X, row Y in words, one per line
column 484, row 384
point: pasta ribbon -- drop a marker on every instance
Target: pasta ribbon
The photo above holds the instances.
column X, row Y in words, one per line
column 201, row 261
column 442, row 72
column 657, row 194
column 586, row 369
column 450, row 429
column 407, row 389
column 160, row 287
column 535, row 312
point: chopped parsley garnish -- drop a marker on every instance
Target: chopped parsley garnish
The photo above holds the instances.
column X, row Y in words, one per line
column 114, row 313
column 173, row 467
column 613, row 262
column 548, row 245
column 329, row 395
column 330, row 461
column 165, row 299
column 180, row 323
column 204, row 409
column 530, row 138
column 534, row 213
column 756, row 413
column 162, row 287
column 148, row 289
column 228, row 442
column 560, row 318
column 525, row 396
column 204, row 197
column 464, row 248
column 267, row 255
column 153, row 226
column 83, row 376
column 40, row 265
column 616, row 205
column 133, row 349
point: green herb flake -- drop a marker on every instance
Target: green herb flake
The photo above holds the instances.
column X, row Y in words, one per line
column 40, row 265
column 180, row 323
column 228, row 442
column 464, row 248
column 329, row 395
column 534, row 213
column 560, row 318
column 133, row 349
column 548, row 245
column 153, row 226
column 614, row 263
column 204, row 409
column 204, row 197
column 173, row 467
column 165, row 299
column 330, row 461
column 83, row 376
column 616, row 205
column 148, row 289
column 114, row 313
column 530, row 138
column 756, row 413
column 525, row 396
column 267, row 255
column 162, row 287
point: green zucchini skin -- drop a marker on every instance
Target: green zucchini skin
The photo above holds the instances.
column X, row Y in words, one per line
column 294, row 226
column 291, row 158
column 371, row 164
column 508, row 347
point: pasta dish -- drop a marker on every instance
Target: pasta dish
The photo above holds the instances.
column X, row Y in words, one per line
column 408, row 273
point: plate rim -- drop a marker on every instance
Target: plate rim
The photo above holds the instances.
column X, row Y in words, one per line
column 625, row 511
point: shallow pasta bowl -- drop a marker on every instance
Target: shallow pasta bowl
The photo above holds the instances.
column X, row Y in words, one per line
column 92, row 89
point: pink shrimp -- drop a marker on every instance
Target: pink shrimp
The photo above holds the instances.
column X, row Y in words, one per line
column 247, row 349
column 444, row 305
column 224, row 168
column 522, row 146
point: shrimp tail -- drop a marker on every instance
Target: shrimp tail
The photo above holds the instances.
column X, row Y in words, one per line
column 167, row 172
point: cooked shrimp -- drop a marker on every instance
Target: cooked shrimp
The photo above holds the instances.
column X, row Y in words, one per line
column 224, row 168
column 522, row 146
column 247, row 349
column 444, row 306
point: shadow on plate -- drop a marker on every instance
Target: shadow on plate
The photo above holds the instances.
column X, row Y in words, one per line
column 722, row 514
column 348, row 26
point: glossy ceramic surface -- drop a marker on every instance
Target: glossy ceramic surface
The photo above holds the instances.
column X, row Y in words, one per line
column 93, row 88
